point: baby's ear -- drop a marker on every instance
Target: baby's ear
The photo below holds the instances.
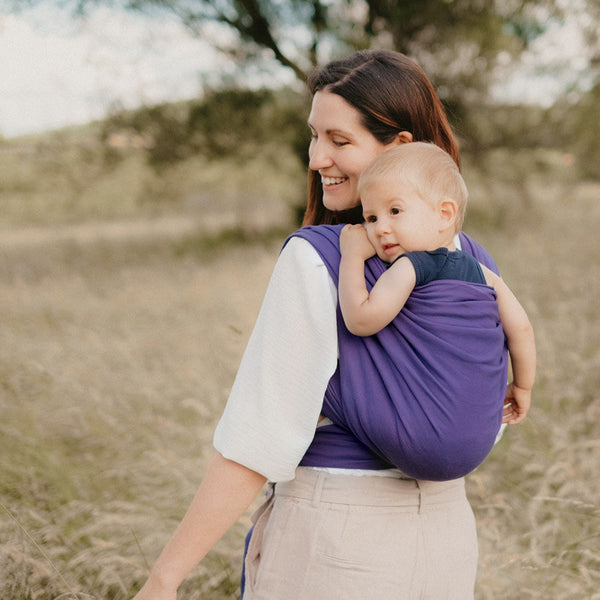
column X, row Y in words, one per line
column 448, row 210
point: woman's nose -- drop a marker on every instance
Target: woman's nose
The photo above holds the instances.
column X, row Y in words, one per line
column 318, row 157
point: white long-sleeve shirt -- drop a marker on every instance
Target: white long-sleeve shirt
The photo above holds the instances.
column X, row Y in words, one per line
column 276, row 399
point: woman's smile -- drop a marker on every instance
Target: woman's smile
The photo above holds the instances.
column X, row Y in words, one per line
column 332, row 181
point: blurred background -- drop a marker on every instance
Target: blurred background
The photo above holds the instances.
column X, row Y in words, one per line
column 153, row 159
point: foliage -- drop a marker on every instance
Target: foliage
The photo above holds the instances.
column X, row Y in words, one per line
column 579, row 125
column 75, row 176
column 458, row 42
column 571, row 125
column 462, row 45
column 241, row 123
column 173, row 156
column 231, row 122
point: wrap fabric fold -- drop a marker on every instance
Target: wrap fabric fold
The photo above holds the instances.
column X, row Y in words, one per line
column 426, row 393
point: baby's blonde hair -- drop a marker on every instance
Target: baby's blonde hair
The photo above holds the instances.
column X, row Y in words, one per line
column 429, row 169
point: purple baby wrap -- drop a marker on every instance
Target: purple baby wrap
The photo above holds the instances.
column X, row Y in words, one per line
column 425, row 394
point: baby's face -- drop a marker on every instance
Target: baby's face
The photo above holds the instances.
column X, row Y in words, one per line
column 398, row 219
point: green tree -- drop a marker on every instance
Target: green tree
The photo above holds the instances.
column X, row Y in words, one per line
column 457, row 41
column 463, row 45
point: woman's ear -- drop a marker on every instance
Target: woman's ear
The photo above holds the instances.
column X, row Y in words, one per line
column 403, row 137
column 448, row 210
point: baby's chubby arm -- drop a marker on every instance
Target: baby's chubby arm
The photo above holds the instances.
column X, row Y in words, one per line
column 521, row 347
column 367, row 313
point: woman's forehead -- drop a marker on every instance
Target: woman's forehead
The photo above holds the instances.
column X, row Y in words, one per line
column 331, row 112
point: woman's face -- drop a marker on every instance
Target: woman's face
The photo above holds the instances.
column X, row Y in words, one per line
column 340, row 149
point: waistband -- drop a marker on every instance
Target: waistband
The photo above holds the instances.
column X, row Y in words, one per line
column 323, row 487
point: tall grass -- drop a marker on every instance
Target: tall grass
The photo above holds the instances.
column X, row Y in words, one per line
column 113, row 372
column 118, row 353
column 537, row 499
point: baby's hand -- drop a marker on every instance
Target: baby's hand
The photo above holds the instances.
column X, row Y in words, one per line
column 354, row 240
column 516, row 404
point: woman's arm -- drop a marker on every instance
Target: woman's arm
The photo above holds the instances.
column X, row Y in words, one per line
column 521, row 347
column 271, row 413
column 225, row 493
column 366, row 313
column 276, row 399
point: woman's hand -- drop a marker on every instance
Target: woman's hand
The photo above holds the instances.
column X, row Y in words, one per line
column 354, row 240
column 516, row 404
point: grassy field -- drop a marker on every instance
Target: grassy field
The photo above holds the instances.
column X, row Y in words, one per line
column 123, row 325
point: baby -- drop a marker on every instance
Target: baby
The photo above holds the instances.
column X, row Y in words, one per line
column 414, row 200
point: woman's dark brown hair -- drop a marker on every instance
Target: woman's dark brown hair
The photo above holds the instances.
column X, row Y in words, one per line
column 393, row 94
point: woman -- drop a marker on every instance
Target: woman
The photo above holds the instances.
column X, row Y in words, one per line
column 342, row 524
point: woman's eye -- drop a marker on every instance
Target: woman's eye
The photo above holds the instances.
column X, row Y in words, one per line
column 340, row 143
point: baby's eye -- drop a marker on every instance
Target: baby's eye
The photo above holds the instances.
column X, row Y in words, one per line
column 395, row 211
column 371, row 219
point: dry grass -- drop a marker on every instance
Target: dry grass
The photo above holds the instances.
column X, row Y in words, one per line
column 537, row 498
column 117, row 355
column 114, row 365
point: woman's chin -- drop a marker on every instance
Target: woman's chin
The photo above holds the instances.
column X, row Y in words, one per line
column 338, row 204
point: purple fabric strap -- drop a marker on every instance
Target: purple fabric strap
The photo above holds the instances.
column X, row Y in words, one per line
column 426, row 393
column 478, row 251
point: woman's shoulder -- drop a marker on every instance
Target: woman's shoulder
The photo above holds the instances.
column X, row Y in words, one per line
column 298, row 249
column 318, row 235
column 324, row 240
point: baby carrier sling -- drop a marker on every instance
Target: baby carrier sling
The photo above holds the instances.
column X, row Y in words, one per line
column 425, row 394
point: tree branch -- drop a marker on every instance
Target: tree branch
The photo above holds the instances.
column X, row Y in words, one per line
column 258, row 29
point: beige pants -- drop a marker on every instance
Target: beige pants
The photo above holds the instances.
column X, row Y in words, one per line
column 324, row 537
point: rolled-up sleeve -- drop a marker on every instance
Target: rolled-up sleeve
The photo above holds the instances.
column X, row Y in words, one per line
column 274, row 405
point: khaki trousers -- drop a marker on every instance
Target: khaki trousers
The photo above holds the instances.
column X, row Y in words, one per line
column 324, row 536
